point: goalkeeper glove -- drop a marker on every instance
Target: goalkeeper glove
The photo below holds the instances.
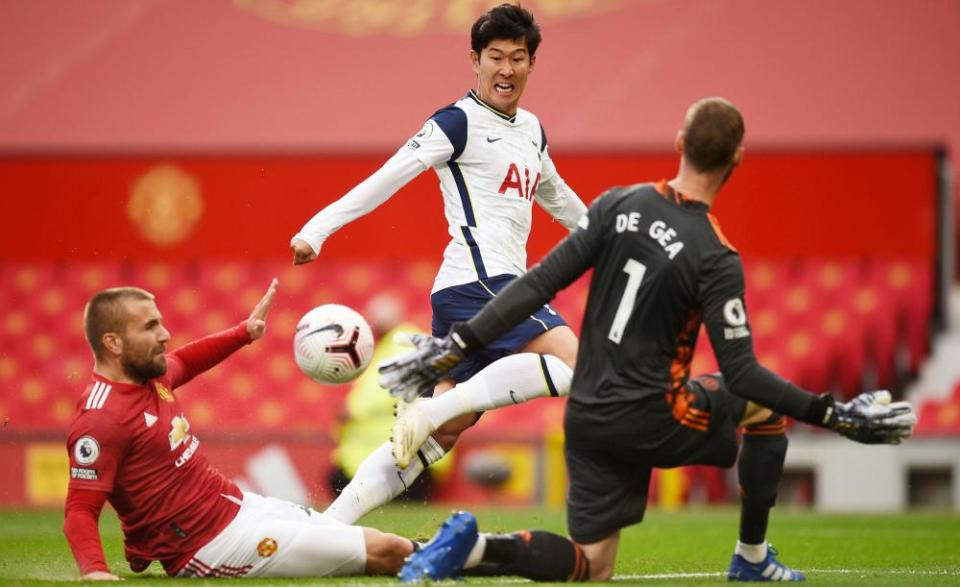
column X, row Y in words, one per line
column 417, row 372
column 870, row 418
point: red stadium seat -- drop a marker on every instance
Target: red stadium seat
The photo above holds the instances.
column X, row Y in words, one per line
column 825, row 324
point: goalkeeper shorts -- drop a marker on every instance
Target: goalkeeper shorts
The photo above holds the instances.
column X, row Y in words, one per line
column 609, row 464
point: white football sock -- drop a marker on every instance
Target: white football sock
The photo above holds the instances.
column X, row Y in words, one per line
column 379, row 480
column 476, row 554
column 754, row 553
column 513, row 379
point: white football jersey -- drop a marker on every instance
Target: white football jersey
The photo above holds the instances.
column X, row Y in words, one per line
column 491, row 167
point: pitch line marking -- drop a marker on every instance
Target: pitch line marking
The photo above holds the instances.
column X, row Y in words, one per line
column 878, row 571
column 952, row 572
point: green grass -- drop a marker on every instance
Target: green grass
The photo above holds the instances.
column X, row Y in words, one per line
column 914, row 548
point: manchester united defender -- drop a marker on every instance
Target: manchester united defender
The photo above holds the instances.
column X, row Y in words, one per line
column 131, row 444
column 661, row 268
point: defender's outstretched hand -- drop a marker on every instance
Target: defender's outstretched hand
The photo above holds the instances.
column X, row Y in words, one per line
column 257, row 322
column 413, row 373
column 302, row 252
column 871, row 418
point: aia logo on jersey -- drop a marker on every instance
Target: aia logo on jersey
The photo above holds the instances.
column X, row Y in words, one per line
column 523, row 186
column 163, row 392
column 180, row 431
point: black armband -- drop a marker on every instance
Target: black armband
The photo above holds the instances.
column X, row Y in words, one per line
column 465, row 339
column 820, row 411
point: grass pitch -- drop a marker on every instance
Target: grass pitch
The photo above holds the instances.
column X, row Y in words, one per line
column 691, row 547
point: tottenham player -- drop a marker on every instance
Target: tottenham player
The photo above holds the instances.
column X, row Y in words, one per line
column 131, row 444
column 661, row 267
column 493, row 162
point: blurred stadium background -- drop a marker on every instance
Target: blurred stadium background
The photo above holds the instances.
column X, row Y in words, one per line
column 177, row 146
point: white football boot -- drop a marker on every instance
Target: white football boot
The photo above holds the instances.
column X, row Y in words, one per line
column 410, row 430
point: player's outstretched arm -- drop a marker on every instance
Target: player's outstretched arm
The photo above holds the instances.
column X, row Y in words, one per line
column 193, row 358
column 397, row 172
column 870, row 418
column 257, row 322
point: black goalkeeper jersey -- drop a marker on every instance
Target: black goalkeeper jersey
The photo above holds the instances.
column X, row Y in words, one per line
column 661, row 268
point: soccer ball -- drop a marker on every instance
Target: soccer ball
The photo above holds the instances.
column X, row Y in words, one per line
column 333, row 344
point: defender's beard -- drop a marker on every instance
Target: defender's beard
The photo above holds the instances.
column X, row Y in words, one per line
column 144, row 368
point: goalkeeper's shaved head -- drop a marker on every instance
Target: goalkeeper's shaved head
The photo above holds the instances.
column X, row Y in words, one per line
column 713, row 132
column 106, row 312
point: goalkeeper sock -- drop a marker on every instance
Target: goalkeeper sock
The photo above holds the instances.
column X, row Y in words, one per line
column 536, row 555
column 514, row 379
column 378, row 481
column 760, row 468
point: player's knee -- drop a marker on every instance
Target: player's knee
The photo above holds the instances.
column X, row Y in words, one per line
column 567, row 352
column 569, row 358
column 385, row 552
column 560, row 342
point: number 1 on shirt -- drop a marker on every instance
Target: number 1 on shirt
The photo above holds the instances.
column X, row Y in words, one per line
column 635, row 271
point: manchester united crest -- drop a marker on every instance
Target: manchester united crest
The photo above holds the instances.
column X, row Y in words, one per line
column 267, row 547
column 165, row 204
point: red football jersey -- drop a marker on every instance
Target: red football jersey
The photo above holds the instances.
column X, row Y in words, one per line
column 135, row 442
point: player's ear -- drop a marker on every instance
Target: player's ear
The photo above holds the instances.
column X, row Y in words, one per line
column 678, row 143
column 533, row 62
column 475, row 61
column 112, row 343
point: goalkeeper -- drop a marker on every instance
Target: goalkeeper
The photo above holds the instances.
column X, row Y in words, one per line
column 662, row 266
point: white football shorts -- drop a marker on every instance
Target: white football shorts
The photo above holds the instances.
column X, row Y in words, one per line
column 275, row 538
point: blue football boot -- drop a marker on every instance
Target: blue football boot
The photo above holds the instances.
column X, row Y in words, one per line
column 443, row 557
column 770, row 569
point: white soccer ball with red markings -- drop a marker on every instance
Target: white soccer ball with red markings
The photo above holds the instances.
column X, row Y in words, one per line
column 333, row 344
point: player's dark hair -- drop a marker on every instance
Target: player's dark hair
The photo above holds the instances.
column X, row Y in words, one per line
column 104, row 313
column 506, row 21
column 712, row 134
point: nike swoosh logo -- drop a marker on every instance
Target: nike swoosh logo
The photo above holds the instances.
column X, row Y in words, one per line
column 493, row 140
column 513, row 397
column 334, row 327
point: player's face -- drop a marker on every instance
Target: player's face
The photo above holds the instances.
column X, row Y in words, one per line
column 144, row 342
column 502, row 68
